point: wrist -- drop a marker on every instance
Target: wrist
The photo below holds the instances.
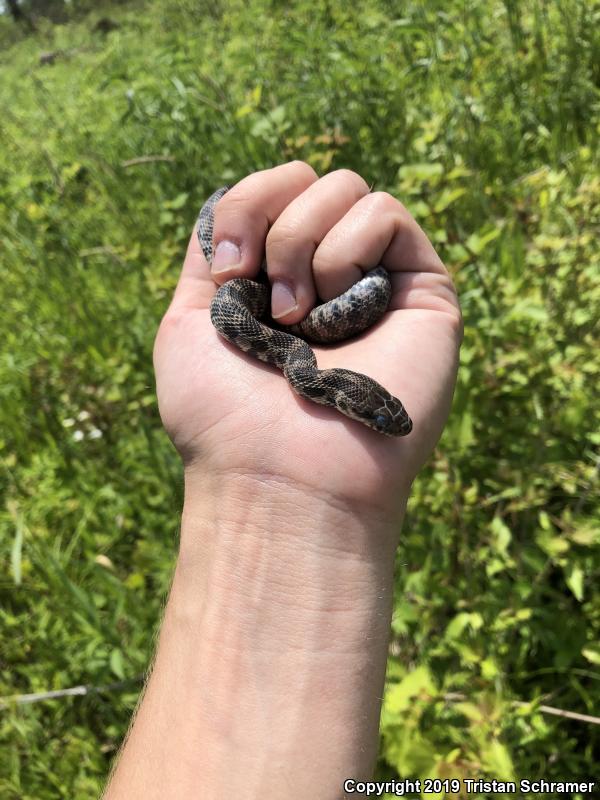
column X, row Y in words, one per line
column 288, row 596
column 281, row 542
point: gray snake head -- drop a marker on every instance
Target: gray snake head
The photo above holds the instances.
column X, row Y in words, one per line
column 367, row 401
column 390, row 418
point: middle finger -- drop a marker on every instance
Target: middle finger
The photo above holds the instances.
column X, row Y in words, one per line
column 297, row 233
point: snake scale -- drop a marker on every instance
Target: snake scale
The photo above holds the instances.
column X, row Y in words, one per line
column 240, row 304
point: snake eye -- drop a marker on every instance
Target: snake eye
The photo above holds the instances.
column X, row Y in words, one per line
column 381, row 421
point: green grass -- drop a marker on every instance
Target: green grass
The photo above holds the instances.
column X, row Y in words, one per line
column 484, row 118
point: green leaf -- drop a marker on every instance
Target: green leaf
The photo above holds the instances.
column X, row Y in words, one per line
column 527, row 308
column 489, row 669
column 574, row 581
column 471, row 711
column 177, row 202
column 116, row 663
column 592, row 653
column 586, row 535
column 418, row 208
column 477, row 242
column 502, row 534
column 465, row 619
column 417, row 173
column 544, row 521
column 447, row 197
column 417, row 682
column 498, row 762
column 553, row 546
column 179, row 86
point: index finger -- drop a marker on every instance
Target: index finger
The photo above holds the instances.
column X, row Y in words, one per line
column 242, row 220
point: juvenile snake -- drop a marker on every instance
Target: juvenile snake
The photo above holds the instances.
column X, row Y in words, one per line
column 240, row 304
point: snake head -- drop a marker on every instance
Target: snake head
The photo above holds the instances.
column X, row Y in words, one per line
column 390, row 418
column 368, row 402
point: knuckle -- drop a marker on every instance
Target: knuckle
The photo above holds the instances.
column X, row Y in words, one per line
column 303, row 168
column 282, row 235
column 172, row 321
column 455, row 319
column 346, row 174
column 352, row 179
column 383, row 204
column 235, row 198
column 404, row 216
column 323, row 259
column 384, row 201
column 445, row 290
column 458, row 326
column 236, row 212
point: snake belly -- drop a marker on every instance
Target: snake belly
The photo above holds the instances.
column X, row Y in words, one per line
column 240, row 305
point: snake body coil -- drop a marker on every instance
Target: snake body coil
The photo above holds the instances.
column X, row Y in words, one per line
column 239, row 305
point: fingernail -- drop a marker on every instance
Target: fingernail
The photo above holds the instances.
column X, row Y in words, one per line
column 283, row 300
column 226, row 255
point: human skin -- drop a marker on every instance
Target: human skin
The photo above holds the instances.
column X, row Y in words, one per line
column 269, row 671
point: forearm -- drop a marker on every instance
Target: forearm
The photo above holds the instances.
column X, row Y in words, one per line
column 269, row 672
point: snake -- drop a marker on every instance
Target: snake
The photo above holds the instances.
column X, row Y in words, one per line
column 239, row 313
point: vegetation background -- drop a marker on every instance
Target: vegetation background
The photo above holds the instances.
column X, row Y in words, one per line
column 116, row 121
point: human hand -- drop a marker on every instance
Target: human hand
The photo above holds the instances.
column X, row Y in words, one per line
column 230, row 414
